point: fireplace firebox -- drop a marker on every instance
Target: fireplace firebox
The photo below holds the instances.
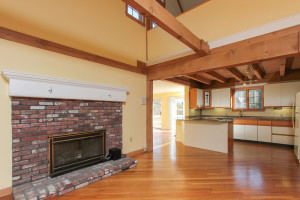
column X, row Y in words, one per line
column 69, row 152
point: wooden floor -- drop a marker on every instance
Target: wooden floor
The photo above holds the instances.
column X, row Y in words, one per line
column 161, row 137
column 174, row 171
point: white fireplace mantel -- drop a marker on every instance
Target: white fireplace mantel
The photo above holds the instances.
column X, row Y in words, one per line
column 29, row 85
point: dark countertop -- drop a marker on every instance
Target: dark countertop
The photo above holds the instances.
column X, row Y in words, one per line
column 231, row 118
column 210, row 118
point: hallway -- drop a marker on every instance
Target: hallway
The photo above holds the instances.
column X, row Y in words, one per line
column 161, row 137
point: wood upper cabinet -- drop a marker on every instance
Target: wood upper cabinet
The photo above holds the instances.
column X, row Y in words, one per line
column 220, row 98
column 196, row 98
column 280, row 94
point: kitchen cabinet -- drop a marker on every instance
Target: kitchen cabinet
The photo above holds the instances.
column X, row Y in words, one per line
column 272, row 131
column 281, row 139
column 280, row 94
column 220, row 98
column 239, row 132
column 264, row 134
column 251, row 132
column 196, row 98
column 215, row 98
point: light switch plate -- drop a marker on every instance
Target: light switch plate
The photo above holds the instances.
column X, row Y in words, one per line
column 143, row 101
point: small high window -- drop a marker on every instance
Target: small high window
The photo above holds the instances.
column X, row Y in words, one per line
column 135, row 15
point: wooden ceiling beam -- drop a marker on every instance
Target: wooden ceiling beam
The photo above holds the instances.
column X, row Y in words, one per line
column 289, row 63
column 216, row 76
column 22, row 38
column 292, row 75
column 180, row 6
column 282, row 67
column 185, row 82
column 236, row 74
column 277, row 47
column 257, row 71
column 160, row 16
column 199, row 79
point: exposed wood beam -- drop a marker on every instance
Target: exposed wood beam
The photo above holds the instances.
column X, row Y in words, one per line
column 141, row 65
column 282, row 67
column 289, row 63
column 199, row 78
column 292, row 75
column 180, row 6
column 257, row 71
column 236, row 74
column 149, row 115
column 22, row 38
column 261, row 38
column 159, row 15
column 182, row 81
column 216, row 76
column 174, row 61
column 277, row 47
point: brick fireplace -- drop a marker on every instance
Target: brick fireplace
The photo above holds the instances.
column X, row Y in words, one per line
column 35, row 119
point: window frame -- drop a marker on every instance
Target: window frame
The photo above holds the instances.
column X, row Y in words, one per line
column 247, row 99
column 133, row 18
column 149, row 22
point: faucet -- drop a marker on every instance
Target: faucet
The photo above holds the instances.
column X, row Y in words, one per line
column 241, row 113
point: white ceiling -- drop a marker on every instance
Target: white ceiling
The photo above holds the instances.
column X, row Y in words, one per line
column 165, row 87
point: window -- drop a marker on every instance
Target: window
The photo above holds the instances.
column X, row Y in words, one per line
column 157, row 113
column 248, row 99
column 151, row 24
column 135, row 15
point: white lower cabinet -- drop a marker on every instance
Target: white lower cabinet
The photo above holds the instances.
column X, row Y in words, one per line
column 239, row 132
column 283, row 139
column 264, row 133
column 251, row 132
column 272, row 134
column 283, row 135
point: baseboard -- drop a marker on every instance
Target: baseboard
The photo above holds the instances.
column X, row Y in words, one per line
column 6, row 192
column 135, row 152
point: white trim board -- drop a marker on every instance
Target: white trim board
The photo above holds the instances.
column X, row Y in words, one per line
column 29, row 85
column 243, row 35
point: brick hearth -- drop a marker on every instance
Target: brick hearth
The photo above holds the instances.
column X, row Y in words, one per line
column 34, row 120
column 48, row 188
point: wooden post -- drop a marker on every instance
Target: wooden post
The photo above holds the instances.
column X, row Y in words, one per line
column 149, row 114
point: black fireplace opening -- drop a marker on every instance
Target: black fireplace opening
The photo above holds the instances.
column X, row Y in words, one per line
column 69, row 152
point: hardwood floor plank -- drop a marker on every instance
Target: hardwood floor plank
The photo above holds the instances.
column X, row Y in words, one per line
column 174, row 171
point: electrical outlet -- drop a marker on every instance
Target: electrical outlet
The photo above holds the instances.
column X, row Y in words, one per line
column 130, row 139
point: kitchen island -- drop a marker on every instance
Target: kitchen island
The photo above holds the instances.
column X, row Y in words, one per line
column 210, row 133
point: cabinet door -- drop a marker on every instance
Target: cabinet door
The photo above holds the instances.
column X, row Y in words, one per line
column 193, row 98
column 199, row 98
column 215, row 98
column 288, row 92
column 264, row 133
column 272, row 95
column 225, row 98
column 283, row 130
column 251, row 132
column 239, row 132
column 283, row 139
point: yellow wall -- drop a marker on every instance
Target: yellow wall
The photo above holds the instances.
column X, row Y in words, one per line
column 165, row 106
column 219, row 18
column 21, row 58
column 99, row 27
